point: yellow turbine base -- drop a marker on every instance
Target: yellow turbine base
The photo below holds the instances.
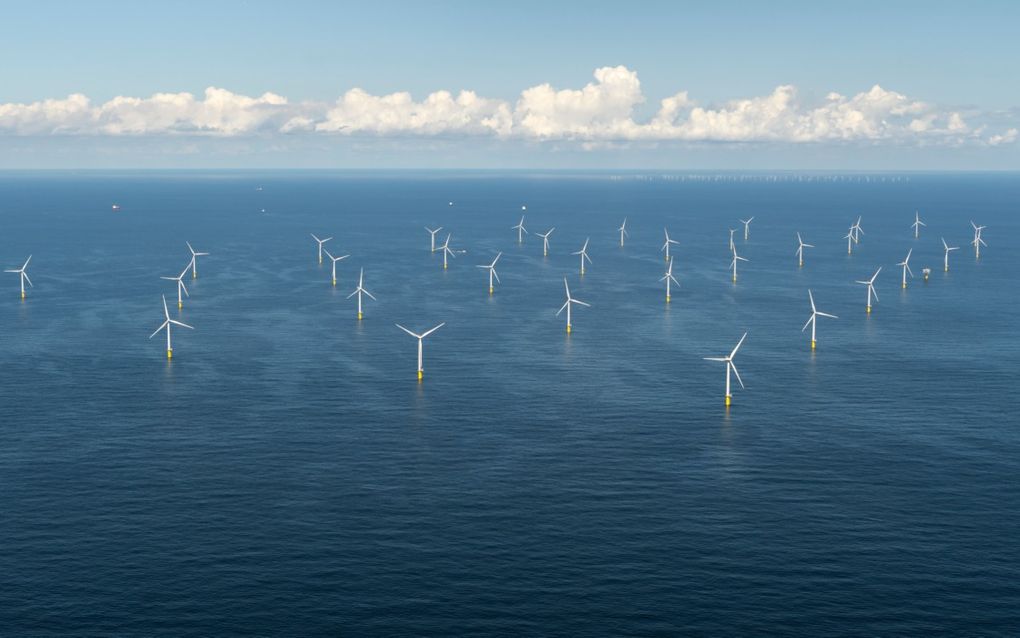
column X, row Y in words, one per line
column 359, row 316
column 419, row 375
column 568, row 328
column 444, row 266
column 869, row 310
column 490, row 290
column 734, row 279
column 180, row 305
column 320, row 260
column 334, row 283
column 194, row 275
column 667, row 298
column 728, row 400
column 170, row 354
column 946, row 269
column 801, row 264
column 22, row 295
column 813, row 344
column 926, row 277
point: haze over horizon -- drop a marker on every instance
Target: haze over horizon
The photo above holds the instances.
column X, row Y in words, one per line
column 791, row 86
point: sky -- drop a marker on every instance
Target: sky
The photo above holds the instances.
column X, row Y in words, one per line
column 671, row 85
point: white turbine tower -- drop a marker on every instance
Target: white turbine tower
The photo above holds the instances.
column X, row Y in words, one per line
column 166, row 324
column 359, row 290
column 906, row 267
column 521, row 230
column 813, row 319
column 945, row 260
column 871, row 288
column 180, row 286
column 432, row 235
column 733, row 264
column 566, row 304
column 665, row 245
column 321, row 242
column 492, row 270
column 668, row 277
column 732, row 245
column 623, row 230
column 420, row 337
column 194, row 256
column 23, row 275
column 917, row 224
column 857, row 230
column 730, row 366
column 334, row 260
column 446, row 251
column 545, row 241
column 747, row 226
column 977, row 242
column 800, row 249
column 584, row 254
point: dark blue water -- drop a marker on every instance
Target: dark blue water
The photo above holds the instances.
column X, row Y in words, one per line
column 286, row 474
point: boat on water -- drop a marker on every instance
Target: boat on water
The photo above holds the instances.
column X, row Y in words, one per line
column 115, row 207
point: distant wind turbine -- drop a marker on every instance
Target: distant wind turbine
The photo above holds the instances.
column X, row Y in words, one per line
column 420, row 337
column 813, row 319
column 871, row 288
column 623, row 230
column 917, row 224
column 584, row 254
column 194, row 256
column 730, row 366
column 977, row 242
column 321, row 242
column 665, row 245
column 800, row 249
column 492, row 271
column 432, row 234
column 566, row 305
column 545, row 241
column 23, row 275
column 733, row 264
column 906, row 267
column 180, row 286
column 521, row 230
column 747, row 226
column 948, row 248
column 334, row 260
column 668, row 277
column 359, row 290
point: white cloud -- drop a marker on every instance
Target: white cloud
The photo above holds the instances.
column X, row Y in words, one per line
column 600, row 114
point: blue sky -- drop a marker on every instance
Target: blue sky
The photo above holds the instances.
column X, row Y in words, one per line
column 947, row 72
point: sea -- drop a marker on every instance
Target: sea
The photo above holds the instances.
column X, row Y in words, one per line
column 286, row 473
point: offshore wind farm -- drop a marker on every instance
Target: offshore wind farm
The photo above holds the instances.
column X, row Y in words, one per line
column 282, row 377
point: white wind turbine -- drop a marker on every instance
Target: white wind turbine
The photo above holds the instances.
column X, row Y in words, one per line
column 584, row 254
column 977, row 242
column 334, row 260
column 359, row 290
column 194, row 256
column 180, row 286
column 871, row 287
column 445, row 248
column 420, row 337
column 545, row 241
column 665, row 245
column 906, row 267
column 166, row 324
column 732, row 245
column 432, row 234
column 856, row 230
column 849, row 241
column 23, row 275
column 917, row 224
column 733, row 264
column 492, row 270
column 566, row 304
column 812, row 320
column 623, row 230
column 668, row 277
column 800, row 249
column 945, row 261
column 747, row 226
column 521, row 230
column 321, row 242
column 730, row 366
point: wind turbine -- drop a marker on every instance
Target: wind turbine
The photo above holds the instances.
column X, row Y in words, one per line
column 321, row 242
column 584, row 254
column 420, row 337
column 623, row 230
column 733, row 264
column 446, row 250
column 23, row 275
column 917, row 224
column 566, row 304
column 545, row 241
column 849, row 241
column 977, row 242
column 946, row 258
column 521, row 230
column 334, row 260
column 906, row 267
column 492, row 270
column 871, row 287
column 747, row 226
column 194, row 255
column 166, row 324
column 668, row 277
column 857, row 230
column 359, row 290
column 813, row 319
column 432, row 233
column 180, row 286
column 732, row 245
column 730, row 366
column 800, row 249
column 665, row 245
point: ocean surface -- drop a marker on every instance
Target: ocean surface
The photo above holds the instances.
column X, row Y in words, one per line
column 286, row 474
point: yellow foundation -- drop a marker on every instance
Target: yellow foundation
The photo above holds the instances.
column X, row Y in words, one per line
column 359, row 316
column 334, row 283
column 734, row 279
column 869, row 310
column 568, row 328
column 490, row 290
column 801, row 264
column 444, row 266
column 728, row 400
column 813, row 344
column 946, row 269
column 180, row 305
column 419, row 375
column 169, row 354
column 667, row 298
column 22, row 294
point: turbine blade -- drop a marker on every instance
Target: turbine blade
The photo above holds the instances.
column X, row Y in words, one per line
column 427, row 333
column 178, row 323
column 407, row 331
column 739, row 343
column 161, row 326
column 737, row 374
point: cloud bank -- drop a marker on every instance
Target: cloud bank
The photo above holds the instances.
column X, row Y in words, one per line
column 601, row 112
